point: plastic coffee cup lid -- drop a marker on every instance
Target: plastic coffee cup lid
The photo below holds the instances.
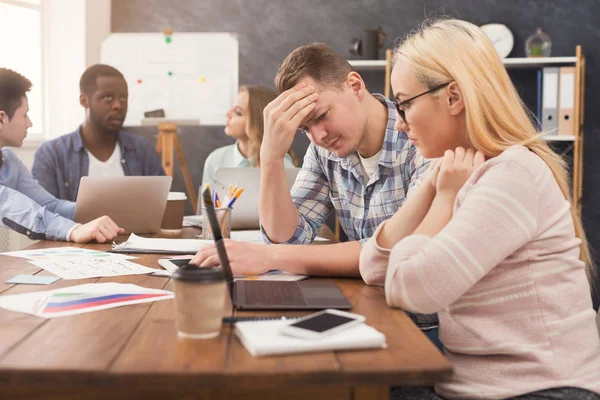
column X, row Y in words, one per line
column 176, row 196
column 193, row 273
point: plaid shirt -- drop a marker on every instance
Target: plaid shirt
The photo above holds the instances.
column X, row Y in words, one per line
column 328, row 183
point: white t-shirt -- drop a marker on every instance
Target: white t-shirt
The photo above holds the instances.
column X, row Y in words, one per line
column 370, row 164
column 111, row 167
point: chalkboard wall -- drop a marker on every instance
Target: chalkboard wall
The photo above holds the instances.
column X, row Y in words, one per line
column 269, row 29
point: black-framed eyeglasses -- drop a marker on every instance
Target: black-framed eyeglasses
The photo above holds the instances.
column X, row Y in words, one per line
column 403, row 103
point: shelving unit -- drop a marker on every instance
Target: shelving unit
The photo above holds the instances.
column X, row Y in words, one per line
column 537, row 62
column 377, row 65
column 526, row 63
column 368, row 65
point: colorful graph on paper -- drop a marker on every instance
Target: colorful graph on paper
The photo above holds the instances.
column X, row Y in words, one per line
column 64, row 302
column 81, row 299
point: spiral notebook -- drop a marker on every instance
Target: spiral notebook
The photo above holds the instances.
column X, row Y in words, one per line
column 262, row 338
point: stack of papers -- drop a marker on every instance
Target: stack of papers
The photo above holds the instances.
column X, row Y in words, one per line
column 262, row 338
column 137, row 244
column 80, row 299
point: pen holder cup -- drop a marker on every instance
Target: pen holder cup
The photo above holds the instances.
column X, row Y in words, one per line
column 199, row 301
column 224, row 218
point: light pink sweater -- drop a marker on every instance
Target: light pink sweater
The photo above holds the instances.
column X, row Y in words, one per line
column 505, row 277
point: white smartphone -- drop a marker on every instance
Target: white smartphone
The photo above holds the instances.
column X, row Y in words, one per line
column 321, row 324
column 171, row 265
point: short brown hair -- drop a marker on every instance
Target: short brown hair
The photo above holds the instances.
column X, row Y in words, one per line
column 316, row 60
column 13, row 86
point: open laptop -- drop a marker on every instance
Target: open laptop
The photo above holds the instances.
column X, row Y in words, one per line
column 245, row 211
column 273, row 295
column 135, row 203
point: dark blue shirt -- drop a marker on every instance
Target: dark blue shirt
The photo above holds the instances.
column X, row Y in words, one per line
column 59, row 164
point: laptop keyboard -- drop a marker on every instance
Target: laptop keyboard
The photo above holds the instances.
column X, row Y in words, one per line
column 424, row 321
column 271, row 293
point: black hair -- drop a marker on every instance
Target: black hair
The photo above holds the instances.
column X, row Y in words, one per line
column 87, row 83
column 13, row 86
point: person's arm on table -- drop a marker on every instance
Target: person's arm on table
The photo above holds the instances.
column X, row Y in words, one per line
column 339, row 259
column 25, row 216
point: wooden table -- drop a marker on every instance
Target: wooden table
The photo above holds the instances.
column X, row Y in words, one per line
column 133, row 351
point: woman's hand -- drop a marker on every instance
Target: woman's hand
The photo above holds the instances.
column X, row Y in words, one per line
column 455, row 169
column 432, row 173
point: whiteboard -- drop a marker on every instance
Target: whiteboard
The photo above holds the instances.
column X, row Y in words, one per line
column 194, row 77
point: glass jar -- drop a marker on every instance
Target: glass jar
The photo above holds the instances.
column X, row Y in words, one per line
column 538, row 44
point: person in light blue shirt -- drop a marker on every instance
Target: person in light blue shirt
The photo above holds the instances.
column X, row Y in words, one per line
column 25, row 206
column 98, row 147
column 245, row 124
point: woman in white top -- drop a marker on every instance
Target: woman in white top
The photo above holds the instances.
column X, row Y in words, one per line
column 245, row 124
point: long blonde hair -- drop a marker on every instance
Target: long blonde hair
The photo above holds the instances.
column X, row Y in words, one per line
column 258, row 98
column 496, row 118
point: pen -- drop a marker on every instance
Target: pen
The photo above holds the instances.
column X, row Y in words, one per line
column 233, row 199
column 233, row 320
column 236, row 196
column 217, row 202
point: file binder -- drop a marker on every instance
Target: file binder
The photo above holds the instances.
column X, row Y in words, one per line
column 566, row 102
column 550, row 100
column 538, row 108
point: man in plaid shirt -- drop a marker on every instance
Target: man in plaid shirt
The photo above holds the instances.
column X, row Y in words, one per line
column 357, row 165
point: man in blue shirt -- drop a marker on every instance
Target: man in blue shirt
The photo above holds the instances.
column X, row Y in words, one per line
column 98, row 147
column 24, row 205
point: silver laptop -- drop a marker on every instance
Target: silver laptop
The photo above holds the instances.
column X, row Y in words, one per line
column 245, row 210
column 135, row 203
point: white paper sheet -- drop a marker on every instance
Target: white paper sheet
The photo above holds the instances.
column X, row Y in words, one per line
column 91, row 267
column 54, row 253
column 91, row 296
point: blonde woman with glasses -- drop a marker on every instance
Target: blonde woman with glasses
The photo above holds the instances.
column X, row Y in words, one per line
column 490, row 240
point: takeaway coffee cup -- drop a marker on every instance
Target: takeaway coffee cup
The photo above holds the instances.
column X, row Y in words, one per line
column 173, row 217
column 199, row 300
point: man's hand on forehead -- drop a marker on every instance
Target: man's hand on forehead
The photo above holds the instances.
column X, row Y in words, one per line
column 283, row 116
